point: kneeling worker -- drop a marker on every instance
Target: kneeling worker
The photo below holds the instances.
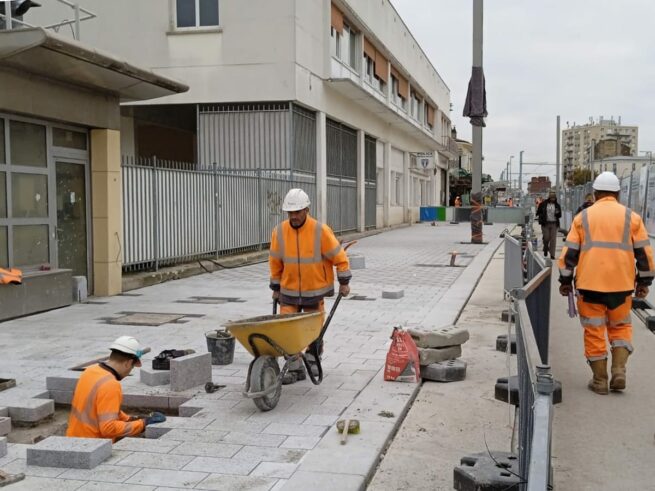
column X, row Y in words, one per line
column 96, row 408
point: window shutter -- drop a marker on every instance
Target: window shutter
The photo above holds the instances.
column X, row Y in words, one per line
column 369, row 49
column 381, row 67
column 337, row 19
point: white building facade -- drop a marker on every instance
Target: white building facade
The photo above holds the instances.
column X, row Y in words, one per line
column 338, row 91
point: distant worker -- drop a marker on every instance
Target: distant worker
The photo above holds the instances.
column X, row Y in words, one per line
column 601, row 249
column 458, row 201
column 96, row 408
column 510, row 201
column 538, row 200
column 302, row 258
column 588, row 201
column 548, row 215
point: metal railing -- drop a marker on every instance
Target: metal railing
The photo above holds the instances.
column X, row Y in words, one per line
column 174, row 213
column 531, row 308
column 80, row 14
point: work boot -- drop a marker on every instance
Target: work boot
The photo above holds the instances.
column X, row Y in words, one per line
column 295, row 373
column 619, row 359
column 598, row 383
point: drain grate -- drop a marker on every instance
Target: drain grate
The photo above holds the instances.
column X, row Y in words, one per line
column 148, row 318
column 212, row 300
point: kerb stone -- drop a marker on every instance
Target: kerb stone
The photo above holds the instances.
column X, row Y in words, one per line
column 191, row 371
column 31, row 410
column 439, row 338
column 393, row 294
column 444, row 371
column 427, row 356
column 153, row 378
column 357, row 261
column 73, row 453
column 63, row 383
column 5, row 425
column 3, row 447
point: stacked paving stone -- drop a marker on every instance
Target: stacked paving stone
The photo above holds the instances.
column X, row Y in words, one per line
column 438, row 353
column 23, row 406
column 185, row 373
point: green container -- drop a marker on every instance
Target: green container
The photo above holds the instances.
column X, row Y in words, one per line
column 441, row 213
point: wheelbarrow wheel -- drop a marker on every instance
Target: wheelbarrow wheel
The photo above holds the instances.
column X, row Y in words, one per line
column 264, row 374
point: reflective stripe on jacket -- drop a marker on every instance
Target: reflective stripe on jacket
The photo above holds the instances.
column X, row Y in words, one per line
column 11, row 276
column 602, row 247
column 96, row 408
column 301, row 262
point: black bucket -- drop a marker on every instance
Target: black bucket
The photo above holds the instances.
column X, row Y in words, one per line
column 221, row 345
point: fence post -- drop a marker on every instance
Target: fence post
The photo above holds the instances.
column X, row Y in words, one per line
column 260, row 207
column 216, row 207
column 155, row 212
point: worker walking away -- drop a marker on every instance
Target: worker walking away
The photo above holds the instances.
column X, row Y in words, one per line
column 588, row 201
column 600, row 253
column 548, row 214
column 96, row 408
column 302, row 258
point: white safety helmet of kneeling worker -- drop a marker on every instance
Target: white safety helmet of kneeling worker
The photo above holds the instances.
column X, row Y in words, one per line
column 296, row 200
column 129, row 346
column 607, row 181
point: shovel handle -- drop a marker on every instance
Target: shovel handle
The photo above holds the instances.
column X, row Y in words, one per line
column 275, row 302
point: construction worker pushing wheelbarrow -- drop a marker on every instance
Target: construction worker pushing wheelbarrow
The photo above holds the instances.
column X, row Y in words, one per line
column 303, row 255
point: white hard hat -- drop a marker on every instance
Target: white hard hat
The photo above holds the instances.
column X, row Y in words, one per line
column 129, row 346
column 607, row 181
column 296, row 200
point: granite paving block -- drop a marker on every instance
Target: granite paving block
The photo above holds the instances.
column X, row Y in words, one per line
column 146, row 445
column 393, row 294
column 5, row 425
column 268, row 454
column 203, row 449
column 143, row 400
column 222, row 482
column 303, row 480
column 102, row 473
column 321, row 420
column 65, row 382
column 260, row 439
column 224, row 466
column 4, row 412
column 156, row 460
column 61, row 396
column 152, row 377
column 189, row 408
column 155, row 431
column 295, row 430
column 31, row 410
column 206, row 436
column 191, row 371
column 72, row 453
column 117, row 455
column 274, row 469
column 3, row 446
column 162, row 477
column 300, row 442
column 357, row 261
column 427, row 356
column 439, row 338
column 31, row 483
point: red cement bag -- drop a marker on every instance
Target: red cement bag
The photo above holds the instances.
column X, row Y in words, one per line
column 402, row 359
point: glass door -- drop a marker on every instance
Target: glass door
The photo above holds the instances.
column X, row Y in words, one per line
column 72, row 217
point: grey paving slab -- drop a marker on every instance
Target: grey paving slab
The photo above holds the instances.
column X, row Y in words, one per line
column 269, row 454
column 102, row 473
column 197, row 449
column 145, row 445
column 3, row 446
column 224, row 466
column 32, row 483
column 76, row 453
column 20, row 466
column 275, row 469
column 222, row 482
column 304, row 480
column 263, row 440
column 295, row 430
column 105, row 486
column 160, row 477
column 300, row 442
column 155, row 460
column 183, row 435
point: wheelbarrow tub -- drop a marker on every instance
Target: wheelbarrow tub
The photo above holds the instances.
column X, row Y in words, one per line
column 291, row 332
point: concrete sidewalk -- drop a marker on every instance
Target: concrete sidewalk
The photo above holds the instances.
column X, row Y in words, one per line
column 228, row 443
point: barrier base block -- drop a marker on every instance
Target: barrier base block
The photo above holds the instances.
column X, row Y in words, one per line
column 501, row 343
column 507, row 390
column 487, row 471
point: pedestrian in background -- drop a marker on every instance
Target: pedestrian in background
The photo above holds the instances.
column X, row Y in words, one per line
column 605, row 242
column 548, row 214
column 588, row 201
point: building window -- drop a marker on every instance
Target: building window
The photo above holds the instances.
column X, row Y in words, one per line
column 397, row 99
column 196, row 13
column 379, row 187
column 415, row 106
column 370, row 76
column 614, row 167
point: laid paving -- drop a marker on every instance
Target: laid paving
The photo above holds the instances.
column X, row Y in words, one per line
column 226, row 442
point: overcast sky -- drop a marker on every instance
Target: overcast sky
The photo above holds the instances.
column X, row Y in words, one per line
column 575, row 58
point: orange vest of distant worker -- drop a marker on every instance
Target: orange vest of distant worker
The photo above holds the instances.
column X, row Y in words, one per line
column 301, row 261
column 96, row 408
column 11, row 276
column 605, row 238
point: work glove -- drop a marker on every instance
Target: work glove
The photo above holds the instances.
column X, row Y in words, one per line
column 344, row 290
column 564, row 290
column 155, row 418
column 641, row 291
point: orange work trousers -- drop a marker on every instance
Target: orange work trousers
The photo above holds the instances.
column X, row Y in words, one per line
column 600, row 322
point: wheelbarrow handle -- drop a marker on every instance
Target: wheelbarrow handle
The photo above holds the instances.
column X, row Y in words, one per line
column 329, row 317
column 275, row 302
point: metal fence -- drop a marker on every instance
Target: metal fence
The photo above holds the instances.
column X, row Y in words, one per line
column 172, row 213
column 513, row 277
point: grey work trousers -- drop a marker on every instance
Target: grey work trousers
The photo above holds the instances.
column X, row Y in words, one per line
column 549, row 232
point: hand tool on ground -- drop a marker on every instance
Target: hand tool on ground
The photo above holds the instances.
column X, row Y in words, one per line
column 572, row 310
column 7, row 479
column 211, row 387
column 346, row 427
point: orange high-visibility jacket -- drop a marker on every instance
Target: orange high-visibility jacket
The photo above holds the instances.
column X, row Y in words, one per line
column 96, row 408
column 301, row 262
column 602, row 247
column 11, row 276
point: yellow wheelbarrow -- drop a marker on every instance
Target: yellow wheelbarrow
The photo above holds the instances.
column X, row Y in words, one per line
column 268, row 337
